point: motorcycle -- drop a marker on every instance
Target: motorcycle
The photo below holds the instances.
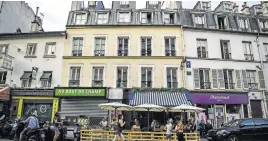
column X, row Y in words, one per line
column 60, row 131
column 5, row 127
column 14, row 127
column 77, row 132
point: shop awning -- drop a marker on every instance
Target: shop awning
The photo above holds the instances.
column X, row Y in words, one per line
column 46, row 75
column 5, row 93
column 168, row 99
column 26, row 75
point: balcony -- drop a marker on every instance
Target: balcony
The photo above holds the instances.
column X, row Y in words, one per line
column 253, row 86
column 146, row 84
column 229, row 85
column 74, row 83
column 172, row 84
column 226, row 56
column 202, row 54
column 205, row 85
column 97, row 83
column 249, row 57
column 99, row 52
column 121, row 83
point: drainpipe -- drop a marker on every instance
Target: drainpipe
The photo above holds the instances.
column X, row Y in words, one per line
column 184, row 55
column 262, row 68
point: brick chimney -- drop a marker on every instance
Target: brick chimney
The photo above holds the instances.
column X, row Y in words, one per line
column 35, row 24
column 245, row 8
column 235, row 7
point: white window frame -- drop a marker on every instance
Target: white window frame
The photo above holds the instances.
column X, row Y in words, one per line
column 71, row 44
column 48, row 49
column 124, row 15
column 205, row 5
column 264, row 24
column 228, row 6
column 35, row 48
column 97, row 18
column 5, row 47
column 169, row 13
column 152, row 43
column 243, row 23
column 81, row 73
column 93, row 43
column 80, row 23
column 2, row 76
column 251, row 73
column 104, row 73
column 233, row 78
column 128, row 74
column 129, row 43
column 152, row 17
column 176, row 43
column 198, row 44
column 124, row 2
column 139, row 75
column 27, row 81
column 209, row 77
column 198, row 18
column 165, row 74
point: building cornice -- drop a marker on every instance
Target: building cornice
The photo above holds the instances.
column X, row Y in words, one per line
column 123, row 57
column 228, row 60
column 32, row 34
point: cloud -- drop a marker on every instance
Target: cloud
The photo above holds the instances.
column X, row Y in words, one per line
column 56, row 11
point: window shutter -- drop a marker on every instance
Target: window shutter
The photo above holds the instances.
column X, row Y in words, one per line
column 196, row 79
column 245, row 81
column 214, row 79
column 261, row 80
column 221, row 79
column 238, row 79
column 140, row 17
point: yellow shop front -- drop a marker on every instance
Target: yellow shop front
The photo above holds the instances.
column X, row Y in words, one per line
column 25, row 101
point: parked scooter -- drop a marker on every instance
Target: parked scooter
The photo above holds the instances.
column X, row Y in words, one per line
column 14, row 127
column 5, row 127
column 77, row 132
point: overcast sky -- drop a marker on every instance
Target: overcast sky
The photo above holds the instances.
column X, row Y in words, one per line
column 56, row 11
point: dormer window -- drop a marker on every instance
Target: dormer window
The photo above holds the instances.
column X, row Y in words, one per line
column 264, row 25
column 102, row 18
column 169, row 18
column 222, row 22
column 205, row 5
column 80, row 18
column 199, row 20
column 124, row 17
column 146, row 17
column 228, row 6
column 124, row 4
column 243, row 24
column 153, row 4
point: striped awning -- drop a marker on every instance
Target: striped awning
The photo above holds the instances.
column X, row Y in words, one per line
column 168, row 99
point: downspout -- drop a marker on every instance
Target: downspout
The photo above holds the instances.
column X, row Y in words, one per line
column 184, row 56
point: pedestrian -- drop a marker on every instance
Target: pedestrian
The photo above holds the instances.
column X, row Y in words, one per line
column 169, row 130
column 179, row 129
column 118, row 125
column 103, row 123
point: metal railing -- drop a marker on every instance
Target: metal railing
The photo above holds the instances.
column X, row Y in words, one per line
column 249, row 57
column 253, row 85
column 170, row 52
column 121, row 83
column 97, row 83
column 229, row 85
column 205, row 85
column 74, row 83
column 172, row 84
column 99, row 52
column 146, row 52
column 123, row 52
column 100, row 135
column 146, row 84
column 202, row 54
column 226, row 56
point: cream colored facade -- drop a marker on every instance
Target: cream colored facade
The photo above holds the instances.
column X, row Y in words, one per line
column 158, row 61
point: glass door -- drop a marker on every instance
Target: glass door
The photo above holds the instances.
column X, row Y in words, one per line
column 219, row 115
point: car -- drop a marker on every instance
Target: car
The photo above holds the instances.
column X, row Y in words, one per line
column 250, row 129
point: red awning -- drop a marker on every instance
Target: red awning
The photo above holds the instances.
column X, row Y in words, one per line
column 5, row 93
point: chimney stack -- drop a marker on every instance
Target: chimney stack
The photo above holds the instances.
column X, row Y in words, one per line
column 245, row 8
column 35, row 24
column 235, row 7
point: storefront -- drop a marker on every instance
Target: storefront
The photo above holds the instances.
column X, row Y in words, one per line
column 4, row 99
column 221, row 107
column 25, row 101
column 81, row 101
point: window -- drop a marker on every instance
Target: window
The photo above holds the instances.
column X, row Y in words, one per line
column 26, row 83
column 170, row 46
column 97, row 77
column 247, row 122
column 122, row 76
column 172, row 80
column 102, row 18
column 124, row 4
column 260, row 122
column 153, row 2
column 205, row 6
column 204, row 79
column 228, row 6
column 3, row 77
column 146, row 77
column 92, row 3
column 225, row 50
column 264, row 24
column 4, row 48
column 26, row 79
column 266, row 50
column 31, row 49
column 80, row 18
column 46, row 79
column 248, row 51
column 78, row 44
column 243, row 24
column 122, row 46
column 199, row 20
column 74, row 79
column 146, row 18
column 228, row 79
column 169, row 18
column 201, row 48
column 100, row 46
column 50, row 49
column 146, row 46
column 251, row 79
column 222, row 22
column 124, row 17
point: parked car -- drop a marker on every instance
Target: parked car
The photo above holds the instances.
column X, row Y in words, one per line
column 251, row 129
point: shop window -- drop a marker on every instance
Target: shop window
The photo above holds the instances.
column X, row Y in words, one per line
column 44, row 110
column 233, row 111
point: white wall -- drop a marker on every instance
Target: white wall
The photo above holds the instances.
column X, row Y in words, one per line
column 21, row 64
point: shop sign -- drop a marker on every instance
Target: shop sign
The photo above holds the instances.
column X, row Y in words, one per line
column 219, row 98
column 78, row 92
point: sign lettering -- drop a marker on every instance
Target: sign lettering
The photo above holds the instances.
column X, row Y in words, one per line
column 79, row 92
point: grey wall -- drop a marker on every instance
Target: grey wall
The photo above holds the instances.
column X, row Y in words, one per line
column 14, row 15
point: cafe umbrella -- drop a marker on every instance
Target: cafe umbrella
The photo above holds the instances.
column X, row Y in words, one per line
column 148, row 108
column 115, row 106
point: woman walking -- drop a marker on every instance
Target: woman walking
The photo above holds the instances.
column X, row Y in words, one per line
column 118, row 127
